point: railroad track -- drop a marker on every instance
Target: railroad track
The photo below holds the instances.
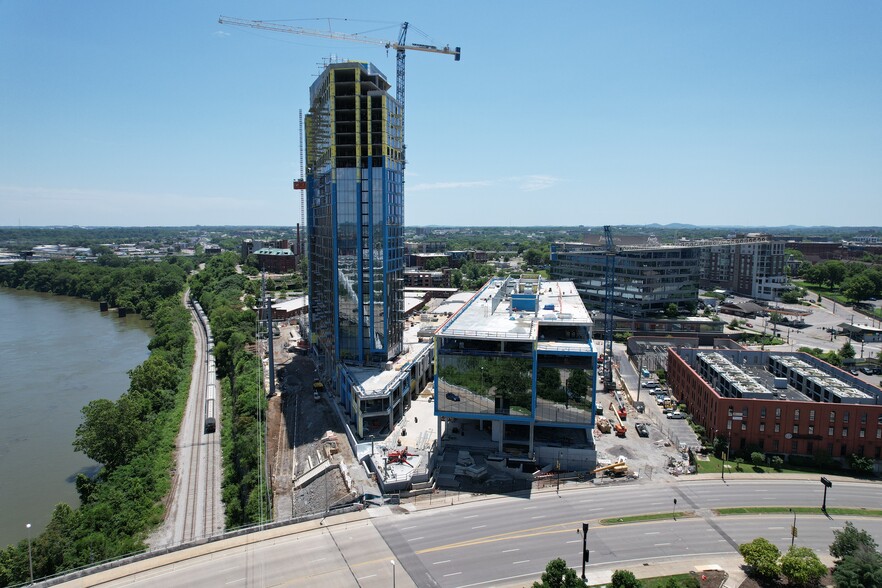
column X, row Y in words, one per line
column 195, row 511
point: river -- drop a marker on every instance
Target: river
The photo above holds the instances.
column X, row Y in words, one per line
column 56, row 355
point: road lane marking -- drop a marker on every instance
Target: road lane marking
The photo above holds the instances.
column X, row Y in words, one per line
column 366, row 577
column 416, row 538
column 453, row 574
column 775, row 528
column 409, row 528
column 538, row 517
column 471, row 517
column 575, row 541
column 234, row 581
column 530, row 507
column 514, row 563
column 479, row 527
column 653, row 533
column 510, row 550
column 661, row 544
column 441, row 562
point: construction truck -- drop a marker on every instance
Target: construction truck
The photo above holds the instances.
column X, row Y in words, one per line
column 618, row 425
column 620, row 468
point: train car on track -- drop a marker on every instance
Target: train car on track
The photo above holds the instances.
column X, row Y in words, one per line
column 210, row 409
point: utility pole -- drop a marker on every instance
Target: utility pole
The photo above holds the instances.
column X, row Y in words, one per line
column 793, row 530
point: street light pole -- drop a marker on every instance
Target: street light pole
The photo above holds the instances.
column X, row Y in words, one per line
column 584, row 548
column 674, row 510
column 793, row 530
column 559, row 454
column 827, row 484
column 30, row 557
column 393, row 572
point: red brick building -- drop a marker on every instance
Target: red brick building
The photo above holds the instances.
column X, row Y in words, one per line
column 276, row 260
column 779, row 403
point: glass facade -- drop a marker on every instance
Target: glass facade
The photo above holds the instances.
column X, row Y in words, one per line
column 355, row 216
column 646, row 280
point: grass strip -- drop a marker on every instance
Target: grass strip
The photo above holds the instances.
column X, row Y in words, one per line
column 812, row 510
column 656, row 516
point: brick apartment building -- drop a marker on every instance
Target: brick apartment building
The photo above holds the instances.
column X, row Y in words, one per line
column 788, row 404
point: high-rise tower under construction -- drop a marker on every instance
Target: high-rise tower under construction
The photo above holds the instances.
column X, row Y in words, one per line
column 355, row 216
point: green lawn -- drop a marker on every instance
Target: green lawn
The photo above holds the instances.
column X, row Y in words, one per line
column 712, row 466
column 656, row 516
column 661, row 581
column 809, row 510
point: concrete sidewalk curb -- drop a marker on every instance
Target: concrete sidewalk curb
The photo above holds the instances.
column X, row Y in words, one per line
column 209, row 548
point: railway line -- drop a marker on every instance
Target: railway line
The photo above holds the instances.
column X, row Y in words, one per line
column 194, row 510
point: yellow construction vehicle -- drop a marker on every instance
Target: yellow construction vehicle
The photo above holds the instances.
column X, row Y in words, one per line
column 619, row 468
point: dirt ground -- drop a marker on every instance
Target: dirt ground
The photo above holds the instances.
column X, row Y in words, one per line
column 296, row 424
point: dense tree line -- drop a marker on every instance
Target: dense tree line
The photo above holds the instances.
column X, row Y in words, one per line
column 136, row 285
column 858, row 564
column 132, row 438
column 855, row 280
column 221, row 292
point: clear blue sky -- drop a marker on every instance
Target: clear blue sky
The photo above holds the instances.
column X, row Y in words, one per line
column 560, row 113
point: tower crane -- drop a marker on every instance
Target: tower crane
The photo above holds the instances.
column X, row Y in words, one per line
column 400, row 48
column 610, row 278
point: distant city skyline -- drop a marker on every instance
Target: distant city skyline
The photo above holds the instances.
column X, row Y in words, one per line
column 742, row 115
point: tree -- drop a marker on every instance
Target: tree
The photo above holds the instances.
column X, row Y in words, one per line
column 757, row 458
column 578, row 383
column 848, row 540
column 109, row 431
column 847, row 351
column 835, row 271
column 792, row 296
column 558, row 575
column 862, row 569
column 777, row 462
column 436, row 263
column 761, row 555
column 625, row 579
column 672, row 310
column 861, row 464
column 857, row 288
column 721, row 445
column 802, row 567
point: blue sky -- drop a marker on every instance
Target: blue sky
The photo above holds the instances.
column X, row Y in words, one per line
column 559, row 113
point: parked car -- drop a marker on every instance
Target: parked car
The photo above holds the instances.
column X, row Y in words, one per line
column 452, row 396
column 650, row 384
column 676, row 415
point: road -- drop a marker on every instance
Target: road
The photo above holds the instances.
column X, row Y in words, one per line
column 194, row 510
column 507, row 541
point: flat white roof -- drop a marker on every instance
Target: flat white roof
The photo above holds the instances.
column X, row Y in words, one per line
column 293, row 304
column 374, row 380
column 492, row 314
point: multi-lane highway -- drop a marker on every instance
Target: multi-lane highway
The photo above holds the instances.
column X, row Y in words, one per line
column 507, row 541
